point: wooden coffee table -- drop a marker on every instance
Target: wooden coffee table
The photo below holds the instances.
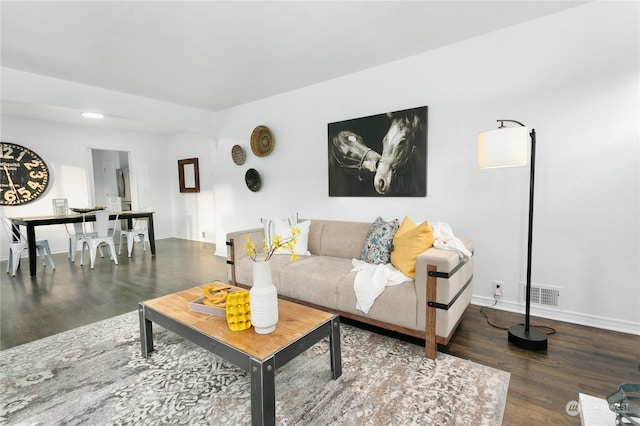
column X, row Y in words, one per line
column 299, row 327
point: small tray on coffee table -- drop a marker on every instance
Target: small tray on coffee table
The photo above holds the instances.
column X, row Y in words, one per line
column 199, row 306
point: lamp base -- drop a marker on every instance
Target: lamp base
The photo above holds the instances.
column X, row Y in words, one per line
column 534, row 340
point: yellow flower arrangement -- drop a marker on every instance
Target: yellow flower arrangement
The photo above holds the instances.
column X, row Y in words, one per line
column 277, row 242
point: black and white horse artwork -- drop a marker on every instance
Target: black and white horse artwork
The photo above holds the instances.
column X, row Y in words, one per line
column 353, row 156
column 380, row 155
column 399, row 161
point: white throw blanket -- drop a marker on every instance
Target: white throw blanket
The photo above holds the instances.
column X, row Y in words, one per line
column 445, row 240
column 371, row 281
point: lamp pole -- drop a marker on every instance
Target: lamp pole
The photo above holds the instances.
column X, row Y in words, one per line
column 530, row 241
column 525, row 336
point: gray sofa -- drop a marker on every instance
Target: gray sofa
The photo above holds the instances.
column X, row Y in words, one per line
column 429, row 307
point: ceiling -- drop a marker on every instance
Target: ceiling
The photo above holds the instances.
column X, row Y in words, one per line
column 214, row 55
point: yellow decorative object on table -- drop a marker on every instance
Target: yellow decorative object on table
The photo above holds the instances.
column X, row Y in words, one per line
column 223, row 300
column 216, row 294
column 238, row 310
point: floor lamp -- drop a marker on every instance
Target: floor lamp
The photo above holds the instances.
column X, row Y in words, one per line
column 508, row 147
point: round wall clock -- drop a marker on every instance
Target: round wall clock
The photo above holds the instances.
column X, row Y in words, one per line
column 261, row 141
column 24, row 176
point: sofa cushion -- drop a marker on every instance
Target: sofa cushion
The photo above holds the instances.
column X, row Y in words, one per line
column 410, row 240
column 314, row 279
column 377, row 244
column 327, row 238
column 396, row 305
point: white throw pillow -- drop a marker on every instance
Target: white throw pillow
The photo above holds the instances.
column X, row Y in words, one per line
column 269, row 227
column 301, row 248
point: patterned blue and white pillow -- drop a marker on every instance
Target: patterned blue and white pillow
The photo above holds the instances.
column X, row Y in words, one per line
column 377, row 245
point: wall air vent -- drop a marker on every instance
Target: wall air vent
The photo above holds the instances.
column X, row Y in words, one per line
column 543, row 295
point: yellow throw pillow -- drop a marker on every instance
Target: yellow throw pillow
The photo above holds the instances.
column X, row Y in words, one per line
column 410, row 240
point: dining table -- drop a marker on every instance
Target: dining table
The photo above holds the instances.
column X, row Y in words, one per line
column 31, row 222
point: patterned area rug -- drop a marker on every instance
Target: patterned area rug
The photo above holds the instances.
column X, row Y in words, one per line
column 96, row 375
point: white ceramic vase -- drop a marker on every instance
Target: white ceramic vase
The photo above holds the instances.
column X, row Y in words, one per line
column 264, row 299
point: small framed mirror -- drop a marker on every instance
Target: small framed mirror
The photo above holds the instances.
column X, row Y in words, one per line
column 189, row 175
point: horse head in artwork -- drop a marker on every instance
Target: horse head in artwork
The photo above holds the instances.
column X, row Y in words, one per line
column 353, row 156
column 398, row 146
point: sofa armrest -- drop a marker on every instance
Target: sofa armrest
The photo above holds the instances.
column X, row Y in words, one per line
column 235, row 252
column 443, row 260
column 441, row 277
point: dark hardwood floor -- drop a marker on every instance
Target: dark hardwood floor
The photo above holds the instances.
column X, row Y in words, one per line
column 579, row 359
column 72, row 296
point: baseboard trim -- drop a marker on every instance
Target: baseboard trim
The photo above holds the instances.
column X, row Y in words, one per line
column 562, row 315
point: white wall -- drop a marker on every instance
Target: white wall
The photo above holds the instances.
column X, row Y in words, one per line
column 66, row 149
column 154, row 169
column 571, row 76
column 154, row 174
column 193, row 213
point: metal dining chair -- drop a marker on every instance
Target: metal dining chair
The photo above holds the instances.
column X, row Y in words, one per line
column 139, row 231
column 75, row 237
column 18, row 242
column 103, row 235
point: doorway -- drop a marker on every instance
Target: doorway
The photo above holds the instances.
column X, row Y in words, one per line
column 111, row 177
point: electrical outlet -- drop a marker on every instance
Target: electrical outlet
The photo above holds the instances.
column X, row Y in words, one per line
column 497, row 288
column 204, row 235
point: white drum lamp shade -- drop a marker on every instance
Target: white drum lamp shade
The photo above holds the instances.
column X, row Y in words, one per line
column 504, row 147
